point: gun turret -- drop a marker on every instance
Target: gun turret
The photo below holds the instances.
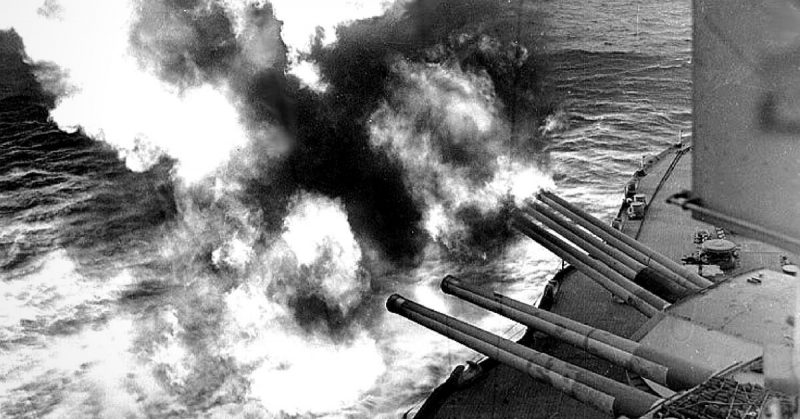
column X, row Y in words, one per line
column 603, row 393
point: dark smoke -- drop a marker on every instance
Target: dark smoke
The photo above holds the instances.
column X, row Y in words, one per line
column 360, row 70
column 333, row 157
column 191, row 42
column 198, row 46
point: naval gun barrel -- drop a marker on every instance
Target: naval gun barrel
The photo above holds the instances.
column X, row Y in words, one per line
column 629, row 267
column 614, row 258
column 641, row 299
column 665, row 369
column 627, row 244
column 602, row 393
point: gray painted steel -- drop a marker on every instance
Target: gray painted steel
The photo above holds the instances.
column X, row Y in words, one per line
column 643, row 300
column 608, row 254
column 627, row 244
column 600, row 392
column 664, row 369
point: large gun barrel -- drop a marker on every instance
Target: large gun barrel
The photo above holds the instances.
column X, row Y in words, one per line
column 604, row 394
column 610, row 255
column 675, row 373
column 635, row 249
column 641, row 299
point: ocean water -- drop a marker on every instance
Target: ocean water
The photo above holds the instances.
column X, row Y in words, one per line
column 142, row 293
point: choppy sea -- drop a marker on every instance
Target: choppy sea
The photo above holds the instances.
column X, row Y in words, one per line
column 136, row 294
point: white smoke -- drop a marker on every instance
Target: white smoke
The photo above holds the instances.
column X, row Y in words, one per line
column 95, row 373
column 244, row 310
column 446, row 127
column 250, row 314
column 318, row 233
column 302, row 20
column 52, row 296
column 294, row 373
column 229, row 331
column 53, row 364
column 113, row 98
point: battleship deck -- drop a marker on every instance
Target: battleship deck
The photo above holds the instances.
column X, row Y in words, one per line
column 505, row 393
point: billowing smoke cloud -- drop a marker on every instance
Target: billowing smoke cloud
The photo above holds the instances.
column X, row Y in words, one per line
column 324, row 263
column 192, row 43
column 279, row 317
column 308, row 21
column 204, row 80
column 292, row 193
column 446, row 127
column 374, row 71
column 109, row 95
